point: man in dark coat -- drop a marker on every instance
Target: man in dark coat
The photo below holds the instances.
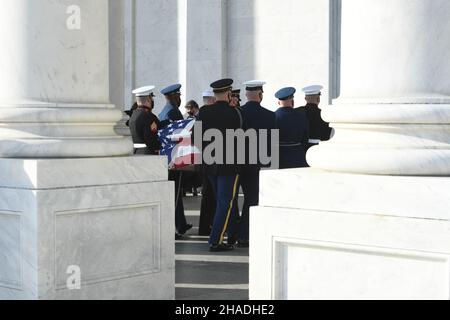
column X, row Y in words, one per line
column 144, row 124
column 256, row 118
column 224, row 176
column 208, row 205
column 319, row 130
column 294, row 130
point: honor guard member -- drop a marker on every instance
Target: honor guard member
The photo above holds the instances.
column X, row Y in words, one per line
column 236, row 104
column 208, row 205
column 224, row 177
column 235, row 98
column 144, row 125
column 234, row 220
column 293, row 128
column 319, row 130
column 171, row 113
column 255, row 118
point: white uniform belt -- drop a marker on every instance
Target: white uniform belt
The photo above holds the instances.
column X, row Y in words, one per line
column 314, row 141
column 140, row 145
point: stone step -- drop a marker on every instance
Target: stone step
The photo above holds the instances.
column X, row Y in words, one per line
column 210, row 294
column 203, row 275
column 209, row 273
column 203, row 249
column 212, row 258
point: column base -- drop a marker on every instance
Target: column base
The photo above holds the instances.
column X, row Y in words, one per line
column 386, row 139
column 380, row 160
column 35, row 130
column 113, row 218
column 321, row 235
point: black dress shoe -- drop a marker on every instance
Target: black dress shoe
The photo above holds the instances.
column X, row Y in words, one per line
column 232, row 240
column 186, row 229
column 221, row 247
column 243, row 244
column 178, row 236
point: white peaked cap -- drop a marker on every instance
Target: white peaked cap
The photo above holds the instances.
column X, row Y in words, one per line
column 254, row 84
column 312, row 90
column 208, row 94
column 143, row 91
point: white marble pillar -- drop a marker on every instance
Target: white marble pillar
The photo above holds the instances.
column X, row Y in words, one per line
column 54, row 97
column 381, row 233
column 206, row 54
column 393, row 113
column 120, row 94
column 79, row 219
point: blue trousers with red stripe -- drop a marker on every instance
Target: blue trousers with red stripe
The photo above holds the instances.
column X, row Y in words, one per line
column 226, row 190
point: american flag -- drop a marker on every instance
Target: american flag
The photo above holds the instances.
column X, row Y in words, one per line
column 176, row 144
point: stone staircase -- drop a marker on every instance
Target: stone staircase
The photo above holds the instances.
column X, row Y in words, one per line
column 201, row 275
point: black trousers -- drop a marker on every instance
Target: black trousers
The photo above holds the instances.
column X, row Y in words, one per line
column 180, row 218
column 208, row 208
column 250, row 187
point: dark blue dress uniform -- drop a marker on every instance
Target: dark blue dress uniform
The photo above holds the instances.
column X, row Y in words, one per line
column 255, row 117
column 170, row 114
column 224, row 177
column 294, row 134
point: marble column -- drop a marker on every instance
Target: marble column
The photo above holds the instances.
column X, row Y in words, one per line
column 206, row 58
column 54, row 100
column 79, row 218
column 393, row 113
column 120, row 51
column 375, row 223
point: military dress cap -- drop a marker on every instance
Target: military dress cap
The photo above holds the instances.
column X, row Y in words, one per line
column 285, row 93
column 254, row 85
column 173, row 89
column 223, row 85
column 236, row 94
column 146, row 91
column 208, row 94
column 312, row 90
